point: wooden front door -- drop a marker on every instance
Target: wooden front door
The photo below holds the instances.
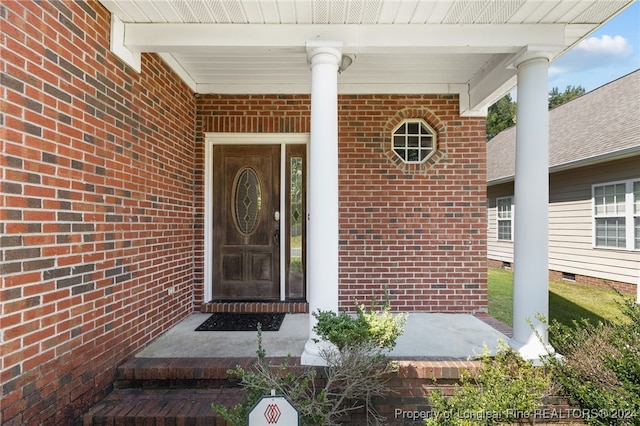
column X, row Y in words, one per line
column 246, row 225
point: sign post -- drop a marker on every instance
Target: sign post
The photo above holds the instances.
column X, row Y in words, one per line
column 273, row 410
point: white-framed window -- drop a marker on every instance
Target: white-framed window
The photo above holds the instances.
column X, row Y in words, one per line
column 504, row 218
column 414, row 141
column 616, row 215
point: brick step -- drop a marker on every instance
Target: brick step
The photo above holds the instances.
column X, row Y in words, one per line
column 172, row 391
column 159, row 407
column 190, row 373
column 256, row 307
column 180, row 391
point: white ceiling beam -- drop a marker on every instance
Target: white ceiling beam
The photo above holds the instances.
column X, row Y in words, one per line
column 117, row 44
column 500, row 75
column 497, row 77
column 343, row 88
column 355, row 38
column 351, row 89
column 179, row 69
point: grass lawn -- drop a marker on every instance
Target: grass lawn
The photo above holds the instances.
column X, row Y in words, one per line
column 567, row 301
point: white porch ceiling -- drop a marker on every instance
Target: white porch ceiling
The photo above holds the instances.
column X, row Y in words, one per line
column 466, row 47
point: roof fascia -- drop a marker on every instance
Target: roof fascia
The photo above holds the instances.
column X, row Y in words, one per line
column 597, row 159
column 378, row 38
column 583, row 162
column 501, row 180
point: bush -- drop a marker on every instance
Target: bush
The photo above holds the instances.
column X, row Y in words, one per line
column 600, row 367
column 262, row 378
column 379, row 329
column 506, row 388
column 354, row 375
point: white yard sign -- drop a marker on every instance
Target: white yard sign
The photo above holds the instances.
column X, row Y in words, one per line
column 273, row 410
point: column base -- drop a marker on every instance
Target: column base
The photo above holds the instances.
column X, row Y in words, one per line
column 315, row 353
column 533, row 350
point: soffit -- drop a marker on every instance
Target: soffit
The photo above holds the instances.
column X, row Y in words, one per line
column 466, row 47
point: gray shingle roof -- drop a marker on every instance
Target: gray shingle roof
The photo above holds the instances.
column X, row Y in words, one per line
column 600, row 124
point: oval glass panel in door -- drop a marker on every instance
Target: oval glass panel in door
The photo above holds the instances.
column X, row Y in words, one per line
column 247, row 202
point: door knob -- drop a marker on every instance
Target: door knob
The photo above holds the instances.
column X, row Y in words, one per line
column 276, row 216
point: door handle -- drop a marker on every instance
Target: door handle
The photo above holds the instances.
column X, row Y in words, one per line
column 276, row 236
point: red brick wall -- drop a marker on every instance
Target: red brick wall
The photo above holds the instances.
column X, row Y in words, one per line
column 625, row 288
column 417, row 231
column 97, row 208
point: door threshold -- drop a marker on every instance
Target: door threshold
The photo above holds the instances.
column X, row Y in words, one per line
column 256, row 307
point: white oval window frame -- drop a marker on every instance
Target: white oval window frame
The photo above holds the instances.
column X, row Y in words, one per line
column 234, row 202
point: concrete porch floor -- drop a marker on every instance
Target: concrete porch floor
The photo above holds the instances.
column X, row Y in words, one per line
column 431, row 336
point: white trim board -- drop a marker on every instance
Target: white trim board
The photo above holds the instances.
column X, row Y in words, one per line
column 211, row 139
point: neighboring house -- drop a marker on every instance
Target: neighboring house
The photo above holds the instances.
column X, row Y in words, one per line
column 594, row 188
column 160, row 157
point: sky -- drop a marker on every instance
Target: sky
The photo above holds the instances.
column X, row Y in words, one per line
column 607, row 54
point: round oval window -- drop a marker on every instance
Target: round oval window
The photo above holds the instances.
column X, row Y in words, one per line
column 247, row 201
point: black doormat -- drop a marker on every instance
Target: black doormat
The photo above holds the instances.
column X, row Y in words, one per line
column 241, row 322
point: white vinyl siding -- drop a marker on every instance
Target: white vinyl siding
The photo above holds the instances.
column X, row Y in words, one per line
column 615, row 215
column 571, row 223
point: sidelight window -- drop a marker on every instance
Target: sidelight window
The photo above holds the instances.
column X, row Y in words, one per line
column 295, row 263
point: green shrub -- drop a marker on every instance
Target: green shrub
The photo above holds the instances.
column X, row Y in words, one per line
column 354, row 375
column 600, row 367
column 263, row 377
column 506, row 388
column 380, row 328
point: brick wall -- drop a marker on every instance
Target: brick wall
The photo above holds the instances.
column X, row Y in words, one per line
column 97, row 208
column 624, row 288
column 418, row 231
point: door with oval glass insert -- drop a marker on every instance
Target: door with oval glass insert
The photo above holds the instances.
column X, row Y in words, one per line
column 246, row 231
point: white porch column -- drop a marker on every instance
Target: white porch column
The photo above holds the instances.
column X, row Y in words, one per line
column 322, row 222
column 531, row 216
